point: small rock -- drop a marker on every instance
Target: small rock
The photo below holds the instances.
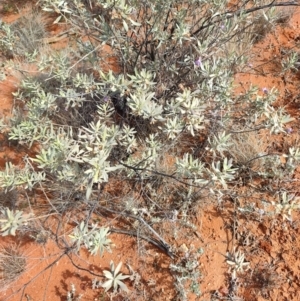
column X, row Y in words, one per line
column 183, row 248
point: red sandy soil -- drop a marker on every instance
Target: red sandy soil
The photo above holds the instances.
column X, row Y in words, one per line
column 271, row 245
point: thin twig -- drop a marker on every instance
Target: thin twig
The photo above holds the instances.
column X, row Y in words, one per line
column 153, row 241
column 96, row 48
column 160, row 240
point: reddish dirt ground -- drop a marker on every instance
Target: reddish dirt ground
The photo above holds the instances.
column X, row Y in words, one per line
column 271, row 245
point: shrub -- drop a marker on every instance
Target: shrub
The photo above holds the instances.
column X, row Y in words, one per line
column 171, row 97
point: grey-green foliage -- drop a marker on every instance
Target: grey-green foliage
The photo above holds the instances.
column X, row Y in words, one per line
column 173, row 96
column 292, row 159
column 290, row 62
column 222, row 172
column 286, row 204
column 26, row 177
column 277, row 119
column 236, row 260
column 95, row 239
column 187, row 274
column 10, row 221
column 115, row 278
column 7, row 38
column 219, row 143
column 191, row 168
column 179, row 85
